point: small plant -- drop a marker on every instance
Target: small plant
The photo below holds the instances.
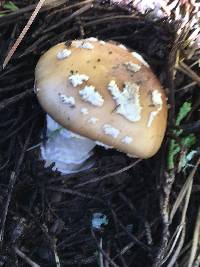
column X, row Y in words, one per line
column 7, row 6
column 181, row 143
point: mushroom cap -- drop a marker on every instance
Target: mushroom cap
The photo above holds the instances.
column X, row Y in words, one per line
column 105, row 92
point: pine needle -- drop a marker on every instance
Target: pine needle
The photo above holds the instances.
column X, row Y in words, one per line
column 183, row 191
column 195, row 241
column 23, row 33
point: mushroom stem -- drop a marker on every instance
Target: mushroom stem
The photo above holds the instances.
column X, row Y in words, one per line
column 70, row 152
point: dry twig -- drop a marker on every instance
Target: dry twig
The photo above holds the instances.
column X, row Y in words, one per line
column 25, row 258
column 23, row 33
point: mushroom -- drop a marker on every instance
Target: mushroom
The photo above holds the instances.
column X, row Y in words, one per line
column 105, row 94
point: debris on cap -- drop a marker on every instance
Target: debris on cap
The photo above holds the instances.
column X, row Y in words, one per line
column 78, row 79
column 89, row 94
column 63, row 53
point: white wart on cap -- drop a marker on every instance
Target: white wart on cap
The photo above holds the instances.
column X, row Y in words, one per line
column 103, row 92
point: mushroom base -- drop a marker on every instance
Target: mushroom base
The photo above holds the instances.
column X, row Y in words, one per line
column 69, row 152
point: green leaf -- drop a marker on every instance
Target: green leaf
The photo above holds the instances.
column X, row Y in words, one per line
column 174, row 148
column 10, row 6
column 184, row 110
column 188, row 141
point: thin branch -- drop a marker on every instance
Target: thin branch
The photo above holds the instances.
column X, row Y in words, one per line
column 197, row 261
column 13, row 177
column 112, row 263
column 189, row 72
column 178, row 249
column 183, row 191
column 72, row 192
column 73, row 15
column 23, row 33
column 9, row 101
column 25, row 258
column 195, row 241
column 57, row 260
column 100, row 178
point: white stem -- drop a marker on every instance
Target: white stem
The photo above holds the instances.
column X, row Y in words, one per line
column 67, row 150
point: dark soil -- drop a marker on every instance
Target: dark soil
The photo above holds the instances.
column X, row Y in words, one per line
column 47, row 217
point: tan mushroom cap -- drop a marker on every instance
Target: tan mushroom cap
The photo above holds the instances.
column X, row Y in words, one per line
column 99, row 63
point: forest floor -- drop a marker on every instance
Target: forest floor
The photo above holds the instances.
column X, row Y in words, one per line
column 150, row 209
